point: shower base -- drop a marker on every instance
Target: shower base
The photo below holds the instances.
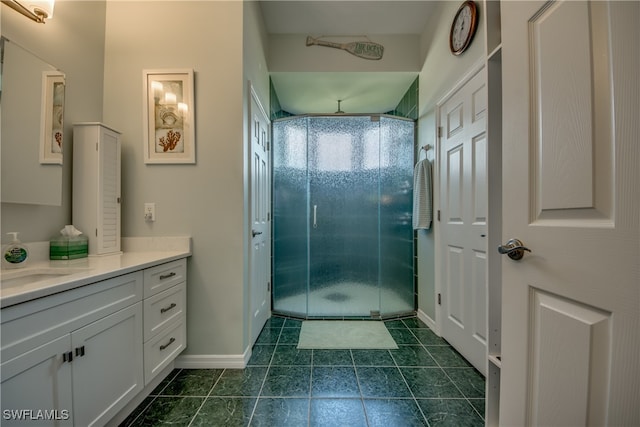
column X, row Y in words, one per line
column 344, row 300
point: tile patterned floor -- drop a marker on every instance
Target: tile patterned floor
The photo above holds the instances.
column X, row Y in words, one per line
column 424, row 382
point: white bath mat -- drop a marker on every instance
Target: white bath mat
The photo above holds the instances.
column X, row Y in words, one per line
column 345, row 334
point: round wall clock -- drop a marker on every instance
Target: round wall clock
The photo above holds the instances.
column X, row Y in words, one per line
column 463, row 27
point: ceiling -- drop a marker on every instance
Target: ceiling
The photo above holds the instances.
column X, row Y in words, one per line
column 304, row 92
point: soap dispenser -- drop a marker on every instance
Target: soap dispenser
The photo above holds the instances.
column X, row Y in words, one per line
column 15, row 254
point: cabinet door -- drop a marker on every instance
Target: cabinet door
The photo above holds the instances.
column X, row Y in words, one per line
column 109, row 192
column 96, row 186
column 107, row 368
column 36, row 386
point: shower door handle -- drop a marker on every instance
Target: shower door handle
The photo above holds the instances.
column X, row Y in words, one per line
column 315, row 216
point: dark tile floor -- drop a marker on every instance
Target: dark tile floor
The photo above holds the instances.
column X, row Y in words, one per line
column 424, row 382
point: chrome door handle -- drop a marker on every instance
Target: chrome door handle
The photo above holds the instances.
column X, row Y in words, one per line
column 315, row 216
column 514, row 249
column 255, row 233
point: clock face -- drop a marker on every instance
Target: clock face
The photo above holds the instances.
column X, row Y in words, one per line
column 463, row 28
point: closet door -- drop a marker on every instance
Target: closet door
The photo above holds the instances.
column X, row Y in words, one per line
column 463, row 201
column 260, row 259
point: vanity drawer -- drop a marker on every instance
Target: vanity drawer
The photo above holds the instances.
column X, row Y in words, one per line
column 34, row 323
column 164, row 276
column 162, row 349
column 164, row 308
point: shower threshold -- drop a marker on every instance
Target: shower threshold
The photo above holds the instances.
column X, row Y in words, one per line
column 345, row 300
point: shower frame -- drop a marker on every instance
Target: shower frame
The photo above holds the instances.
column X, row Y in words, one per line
column 411, row 298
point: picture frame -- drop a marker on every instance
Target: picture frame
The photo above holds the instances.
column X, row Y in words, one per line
column 52, row 117
column 168, row 115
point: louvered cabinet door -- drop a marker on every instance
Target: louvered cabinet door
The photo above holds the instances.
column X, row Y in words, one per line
column 96, row 186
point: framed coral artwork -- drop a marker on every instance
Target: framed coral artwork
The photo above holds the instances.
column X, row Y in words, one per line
column 169, row 131
column 52, row 117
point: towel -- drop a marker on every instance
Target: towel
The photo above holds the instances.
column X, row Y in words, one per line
column 422, row 195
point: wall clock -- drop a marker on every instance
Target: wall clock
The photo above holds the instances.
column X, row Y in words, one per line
column 463, row 27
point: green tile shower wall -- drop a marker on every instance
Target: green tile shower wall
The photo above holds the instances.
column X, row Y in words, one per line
column 408, row 105
column 275, row 109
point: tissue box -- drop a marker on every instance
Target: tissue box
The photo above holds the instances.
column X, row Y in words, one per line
column 64, row 247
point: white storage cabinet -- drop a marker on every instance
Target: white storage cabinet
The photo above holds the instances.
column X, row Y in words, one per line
column 96, row 186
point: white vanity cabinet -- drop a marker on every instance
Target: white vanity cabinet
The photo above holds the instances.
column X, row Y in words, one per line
column 96, row 186
column 73, row 358
column 79, row 356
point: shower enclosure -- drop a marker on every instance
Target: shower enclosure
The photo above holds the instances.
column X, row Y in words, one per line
column 342, row 203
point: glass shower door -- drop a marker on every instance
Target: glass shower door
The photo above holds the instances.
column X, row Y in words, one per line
column 344, row 180
column 342, row 202
column 396, row 205
column 290, row 217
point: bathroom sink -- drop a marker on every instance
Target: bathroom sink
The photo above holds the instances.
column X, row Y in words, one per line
column 31, row 275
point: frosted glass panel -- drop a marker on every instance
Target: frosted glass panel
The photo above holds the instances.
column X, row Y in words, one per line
column 343, row 241
column 290, row 215
column 396, row 205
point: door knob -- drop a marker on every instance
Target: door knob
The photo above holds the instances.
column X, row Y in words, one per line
column 514, row 249
column 254, row 233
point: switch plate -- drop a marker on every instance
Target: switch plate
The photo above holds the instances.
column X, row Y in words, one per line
column 149, row 212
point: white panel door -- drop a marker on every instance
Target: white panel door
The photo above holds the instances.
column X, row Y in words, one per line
column 571, row 307
column 260, row 263
column 463, row 226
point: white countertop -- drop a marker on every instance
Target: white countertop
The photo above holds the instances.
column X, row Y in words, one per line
column 60, row 276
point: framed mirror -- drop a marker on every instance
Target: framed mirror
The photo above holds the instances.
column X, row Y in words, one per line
column 32, row 118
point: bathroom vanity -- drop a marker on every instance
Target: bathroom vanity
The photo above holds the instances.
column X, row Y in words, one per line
column 81, row 339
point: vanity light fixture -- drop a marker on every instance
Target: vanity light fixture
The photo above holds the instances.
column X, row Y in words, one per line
column 36, row 10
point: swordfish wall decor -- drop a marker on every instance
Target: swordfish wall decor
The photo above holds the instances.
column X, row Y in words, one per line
column 362, row 49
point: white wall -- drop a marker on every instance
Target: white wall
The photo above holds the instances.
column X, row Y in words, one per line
column 256, row 76
column 103, row 49
column 442, row 70
column 205, row 200
column 440, row 73
column 73, row 41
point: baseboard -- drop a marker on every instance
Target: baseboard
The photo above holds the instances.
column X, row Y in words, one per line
column 427, row 320
column 213, row 361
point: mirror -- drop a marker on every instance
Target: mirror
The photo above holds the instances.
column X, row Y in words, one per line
column 31, row 105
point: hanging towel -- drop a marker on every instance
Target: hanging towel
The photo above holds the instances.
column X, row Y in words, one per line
column 422, row 195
